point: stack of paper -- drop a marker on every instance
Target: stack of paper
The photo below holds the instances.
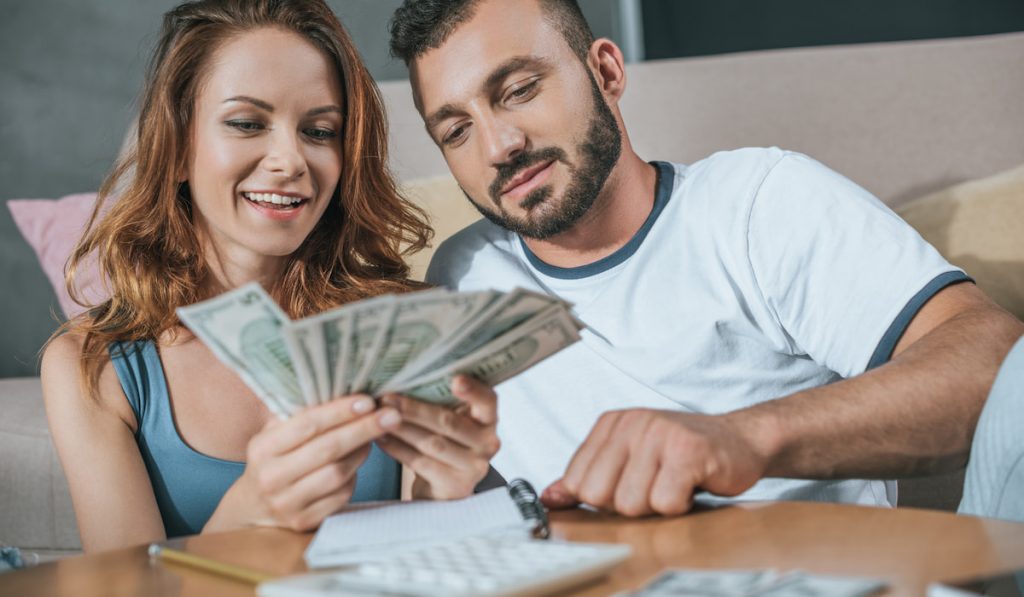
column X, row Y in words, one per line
column 370, row 533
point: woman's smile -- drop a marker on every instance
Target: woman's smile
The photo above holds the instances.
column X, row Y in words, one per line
column 279, row 208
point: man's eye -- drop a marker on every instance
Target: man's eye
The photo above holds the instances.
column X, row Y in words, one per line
column 321, row 134
column 523, row 92
column 247, row 126
column 455, row 135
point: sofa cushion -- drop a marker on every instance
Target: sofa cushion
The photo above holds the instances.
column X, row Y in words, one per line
column 36, row 512
column 979, row 226
column 53, row 228
column 447, row 208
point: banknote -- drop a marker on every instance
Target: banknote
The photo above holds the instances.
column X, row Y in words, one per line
column 419, row 321
column 370, row 323
column 305, row 341
column 412, row 343
column 327, row 339
column 761, row 583
column 536, row 339
column 243, row 329
column 500, row 315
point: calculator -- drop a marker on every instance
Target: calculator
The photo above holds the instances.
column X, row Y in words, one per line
column 485, row 566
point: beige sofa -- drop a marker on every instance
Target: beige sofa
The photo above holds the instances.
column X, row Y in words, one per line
column 901, row 119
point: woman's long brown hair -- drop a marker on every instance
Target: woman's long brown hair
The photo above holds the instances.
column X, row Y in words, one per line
column 144, row 240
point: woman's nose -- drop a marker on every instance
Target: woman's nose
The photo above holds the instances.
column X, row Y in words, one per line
column 284, row 156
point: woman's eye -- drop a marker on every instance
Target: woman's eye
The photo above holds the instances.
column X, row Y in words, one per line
column 321, row 134
column 247, row 126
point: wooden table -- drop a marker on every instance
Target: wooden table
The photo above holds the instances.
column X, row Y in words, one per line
column 907, row 548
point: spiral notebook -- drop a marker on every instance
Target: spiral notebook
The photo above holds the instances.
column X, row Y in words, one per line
column 374, row 532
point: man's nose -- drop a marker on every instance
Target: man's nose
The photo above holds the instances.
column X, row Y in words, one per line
column 502, row 139
column 284, row 155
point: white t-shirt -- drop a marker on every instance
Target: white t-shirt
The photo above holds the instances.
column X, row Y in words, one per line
column 759, row 273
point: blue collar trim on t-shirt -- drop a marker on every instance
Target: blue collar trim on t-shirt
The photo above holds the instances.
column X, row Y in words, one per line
column 662, row 193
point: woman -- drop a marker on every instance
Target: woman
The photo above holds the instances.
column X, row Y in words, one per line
column 260, row 157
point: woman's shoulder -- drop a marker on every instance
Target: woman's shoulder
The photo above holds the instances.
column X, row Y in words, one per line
column 62, row 357
column 65, row 388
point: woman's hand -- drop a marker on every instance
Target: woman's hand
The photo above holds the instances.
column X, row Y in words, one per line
column 449, row 450
column 301, row 470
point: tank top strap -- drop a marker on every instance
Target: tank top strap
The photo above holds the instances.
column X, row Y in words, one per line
column 136, row 363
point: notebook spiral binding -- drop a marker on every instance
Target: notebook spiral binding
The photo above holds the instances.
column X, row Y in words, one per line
column 530, row 507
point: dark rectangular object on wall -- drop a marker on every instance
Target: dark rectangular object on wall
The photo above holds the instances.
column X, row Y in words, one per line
column 676, row 28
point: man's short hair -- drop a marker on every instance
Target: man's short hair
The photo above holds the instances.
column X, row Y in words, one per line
column 422, row 25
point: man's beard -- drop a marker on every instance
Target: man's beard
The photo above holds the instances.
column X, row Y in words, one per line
column 598, row 154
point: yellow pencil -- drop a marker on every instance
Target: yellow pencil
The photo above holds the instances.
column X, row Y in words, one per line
column 207, row 565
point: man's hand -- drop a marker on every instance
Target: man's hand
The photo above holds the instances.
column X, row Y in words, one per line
column 448, row 450
column 639, row 462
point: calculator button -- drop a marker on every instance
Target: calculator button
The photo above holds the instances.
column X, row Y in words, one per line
column 423, row 576
column 484, row 584
column 454, row 581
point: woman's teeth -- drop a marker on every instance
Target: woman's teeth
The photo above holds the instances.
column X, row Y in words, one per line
column 272, row 198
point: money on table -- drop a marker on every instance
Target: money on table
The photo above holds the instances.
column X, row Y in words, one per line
column 759, row 583
column 411, row 344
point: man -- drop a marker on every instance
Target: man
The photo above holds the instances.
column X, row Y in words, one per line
column 757, row 324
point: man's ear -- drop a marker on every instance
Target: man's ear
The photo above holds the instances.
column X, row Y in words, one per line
column 608, row 66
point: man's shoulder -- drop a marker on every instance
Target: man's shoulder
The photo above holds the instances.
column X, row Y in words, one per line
column 736, row 165
column 467, row 248
column 474, row 237
column 725, row 182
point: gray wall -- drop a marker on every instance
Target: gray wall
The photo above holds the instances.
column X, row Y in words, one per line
column 70, row 71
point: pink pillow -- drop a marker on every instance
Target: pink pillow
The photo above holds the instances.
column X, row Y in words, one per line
column 52, row 228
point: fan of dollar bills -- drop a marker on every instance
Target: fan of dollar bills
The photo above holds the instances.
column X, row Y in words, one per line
column 411, row 344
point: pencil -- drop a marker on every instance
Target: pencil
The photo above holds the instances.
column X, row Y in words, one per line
column 207, row 565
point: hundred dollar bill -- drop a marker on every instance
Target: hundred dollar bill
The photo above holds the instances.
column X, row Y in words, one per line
column 768, row 583
column 337, row 329
column 707, row 583
column 370, row 319
column 327, row 338
column 542, row 336
column 305, row 341
column 243, row 329
column 498, row 317
column 419, row 321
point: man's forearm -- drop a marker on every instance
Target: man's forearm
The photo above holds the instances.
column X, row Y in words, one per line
column 912, row 416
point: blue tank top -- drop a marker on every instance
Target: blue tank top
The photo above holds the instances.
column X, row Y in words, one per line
column 189, row 485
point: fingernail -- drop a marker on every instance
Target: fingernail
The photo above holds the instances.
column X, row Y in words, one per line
column 389, row 419
column 459, row 384
column 362, row 406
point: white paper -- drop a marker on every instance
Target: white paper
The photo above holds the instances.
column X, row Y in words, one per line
column 365, row 534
